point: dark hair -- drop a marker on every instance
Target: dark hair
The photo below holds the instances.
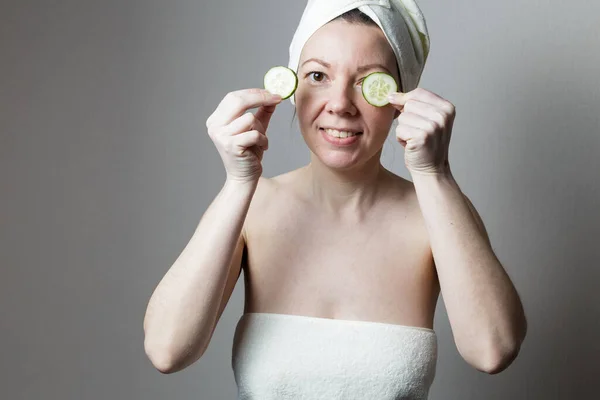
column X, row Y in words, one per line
column 355, row 16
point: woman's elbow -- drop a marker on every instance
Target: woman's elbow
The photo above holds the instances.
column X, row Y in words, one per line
column 164, row 359
column 499, row 361
column 501, row 355
column 160, row 358
column 493, row 356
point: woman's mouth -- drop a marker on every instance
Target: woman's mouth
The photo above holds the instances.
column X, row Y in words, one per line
column 340, row 137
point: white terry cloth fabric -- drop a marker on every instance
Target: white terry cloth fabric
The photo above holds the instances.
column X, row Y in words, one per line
column 401, row 21
column 282, row 356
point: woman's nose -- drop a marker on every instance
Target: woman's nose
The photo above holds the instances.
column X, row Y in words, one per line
column 340, row 99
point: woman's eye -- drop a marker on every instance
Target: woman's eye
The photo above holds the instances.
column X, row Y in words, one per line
column 317, row 76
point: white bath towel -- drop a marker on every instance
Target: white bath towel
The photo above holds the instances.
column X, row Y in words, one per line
column 401, row 21
column 281, row 356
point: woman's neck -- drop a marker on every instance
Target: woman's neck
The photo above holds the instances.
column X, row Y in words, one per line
column 346, row 193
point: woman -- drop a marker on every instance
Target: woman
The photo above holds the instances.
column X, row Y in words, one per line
column 343, row 260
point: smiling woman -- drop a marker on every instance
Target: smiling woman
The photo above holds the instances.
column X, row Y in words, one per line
column 343, row 260
column 339, row 126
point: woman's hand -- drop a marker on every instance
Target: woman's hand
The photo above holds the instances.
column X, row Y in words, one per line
column 424, row 130
column 240, row 136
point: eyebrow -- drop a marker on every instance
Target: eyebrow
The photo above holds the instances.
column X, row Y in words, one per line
column 361, row 69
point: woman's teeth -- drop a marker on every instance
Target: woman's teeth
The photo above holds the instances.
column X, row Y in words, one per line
column 340, row 134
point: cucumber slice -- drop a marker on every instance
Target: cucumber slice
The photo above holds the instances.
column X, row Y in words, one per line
column 377, row 86
column 282, row 81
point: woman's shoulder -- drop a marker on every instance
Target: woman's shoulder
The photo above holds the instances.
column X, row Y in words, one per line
column 399, row 188
column 273, row 194
column 284, row 184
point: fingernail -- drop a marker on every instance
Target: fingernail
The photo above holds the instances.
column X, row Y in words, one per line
column 391, row 97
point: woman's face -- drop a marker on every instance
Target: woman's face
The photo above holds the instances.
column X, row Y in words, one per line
column 333, row 63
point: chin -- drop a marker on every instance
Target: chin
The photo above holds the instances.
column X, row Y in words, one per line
column 338, row 160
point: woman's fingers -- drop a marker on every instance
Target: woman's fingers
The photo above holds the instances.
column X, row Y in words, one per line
column 236, row 103
column 417, row 121
column 263, row 116
column 248, row 139
column 246, row 122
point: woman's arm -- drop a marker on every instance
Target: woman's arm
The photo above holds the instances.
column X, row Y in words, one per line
column 486, row 315
column 185, row 307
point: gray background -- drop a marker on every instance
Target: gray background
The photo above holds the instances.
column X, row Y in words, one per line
column 106, row 169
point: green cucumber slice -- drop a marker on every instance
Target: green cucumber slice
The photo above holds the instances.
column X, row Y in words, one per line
column 282, row 81
column 377, row 86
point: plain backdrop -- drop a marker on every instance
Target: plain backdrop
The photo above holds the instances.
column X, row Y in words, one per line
column 106, row 169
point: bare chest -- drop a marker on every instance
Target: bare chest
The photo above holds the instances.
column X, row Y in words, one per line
column 378, row 269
